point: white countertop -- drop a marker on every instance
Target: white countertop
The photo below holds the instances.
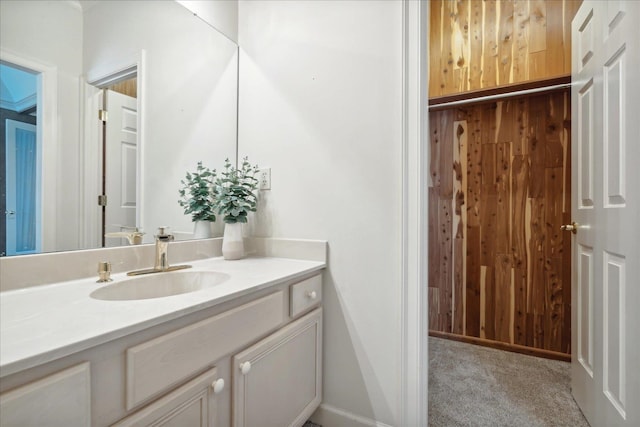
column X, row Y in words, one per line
column 43, row 323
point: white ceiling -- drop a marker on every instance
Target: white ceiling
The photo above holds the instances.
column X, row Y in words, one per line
column 18, row 88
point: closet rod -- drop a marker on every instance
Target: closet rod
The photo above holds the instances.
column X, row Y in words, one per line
column 499, row 97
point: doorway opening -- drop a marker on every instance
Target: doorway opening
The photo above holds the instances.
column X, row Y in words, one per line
column 20, row 161
column 499, row 178
column 500, row 265
column 118, row 158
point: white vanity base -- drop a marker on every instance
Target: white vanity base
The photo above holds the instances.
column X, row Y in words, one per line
column 245, row 350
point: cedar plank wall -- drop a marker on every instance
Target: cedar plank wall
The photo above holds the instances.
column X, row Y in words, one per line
column 498, row 263
column 499, row 267
column 126, row 87
column 479, row 44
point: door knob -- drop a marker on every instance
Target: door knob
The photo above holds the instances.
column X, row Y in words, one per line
column 573, row 227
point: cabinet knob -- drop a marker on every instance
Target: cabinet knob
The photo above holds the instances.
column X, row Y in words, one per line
column 312, row 294
column 218, row 385
column 245, row 367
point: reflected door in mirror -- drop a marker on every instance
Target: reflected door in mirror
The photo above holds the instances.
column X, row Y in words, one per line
column 121, row 146
column 22, row 199
column 20, row 159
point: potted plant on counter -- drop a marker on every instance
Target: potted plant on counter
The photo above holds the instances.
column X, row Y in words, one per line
column 235, row 196
column 197, row 199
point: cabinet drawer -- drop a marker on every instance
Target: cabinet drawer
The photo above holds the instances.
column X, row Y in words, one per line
column 305, row 295
column 193, row 404
column 61, row 399
column 160, row 363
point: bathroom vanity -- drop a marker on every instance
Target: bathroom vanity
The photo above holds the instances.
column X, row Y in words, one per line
column 244, row 352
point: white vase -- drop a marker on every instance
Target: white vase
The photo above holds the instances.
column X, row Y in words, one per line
column 232, row 243
column 202, row 230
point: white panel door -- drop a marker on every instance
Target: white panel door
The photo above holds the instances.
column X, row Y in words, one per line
column 121, row 165
column 23, row 189
column 605, row 378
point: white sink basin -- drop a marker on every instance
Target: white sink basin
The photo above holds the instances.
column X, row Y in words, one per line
column 157, row 285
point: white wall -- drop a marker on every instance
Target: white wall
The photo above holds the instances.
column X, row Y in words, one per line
column 321, row 104
column 189, row 94
column 50, row 33
column 221, row 14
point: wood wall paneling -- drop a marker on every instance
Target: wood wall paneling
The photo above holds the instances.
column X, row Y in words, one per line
column 499, row 267
column 459, row 220
column 476, row 44
column 127, row 87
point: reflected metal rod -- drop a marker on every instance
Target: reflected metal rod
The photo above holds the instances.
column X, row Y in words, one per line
column 499, row 97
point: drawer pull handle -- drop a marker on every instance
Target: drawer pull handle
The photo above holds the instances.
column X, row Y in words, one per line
column 312, row 294
column 218, row 385
column 245, row 367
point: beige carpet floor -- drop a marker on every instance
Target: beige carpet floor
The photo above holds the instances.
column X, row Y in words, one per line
column 471, row 385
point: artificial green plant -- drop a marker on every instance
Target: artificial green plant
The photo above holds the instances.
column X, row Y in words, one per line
column 235, row 191
column 197, row 194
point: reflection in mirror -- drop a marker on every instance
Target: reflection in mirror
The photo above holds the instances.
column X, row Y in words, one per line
column 19, row 161
column 119, row 142
column 186, row 104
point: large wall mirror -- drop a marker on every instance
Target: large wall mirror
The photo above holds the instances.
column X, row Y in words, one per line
column 168, row 81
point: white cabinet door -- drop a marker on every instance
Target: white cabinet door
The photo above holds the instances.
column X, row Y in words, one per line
column 59, row 400
column 192, row 405
column 278, row 381
column 605, row 378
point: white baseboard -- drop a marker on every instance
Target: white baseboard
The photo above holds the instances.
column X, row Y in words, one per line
column 330, row 416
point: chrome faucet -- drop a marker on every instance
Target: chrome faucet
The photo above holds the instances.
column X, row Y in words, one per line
column 162, row 255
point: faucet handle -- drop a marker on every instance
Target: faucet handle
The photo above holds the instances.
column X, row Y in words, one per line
column 163, row 233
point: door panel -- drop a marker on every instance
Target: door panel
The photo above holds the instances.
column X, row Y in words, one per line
column 614, row 140
column 585, row 145
column 23, row 206
column 121, row 165
column 605, row 378
column 585, row 308
column 613, row 303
